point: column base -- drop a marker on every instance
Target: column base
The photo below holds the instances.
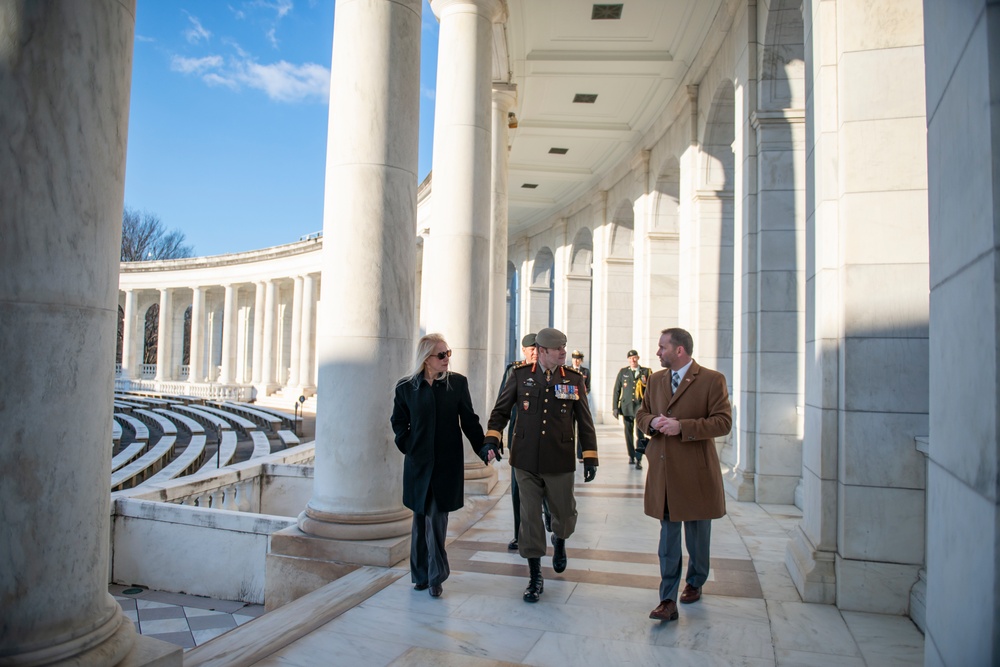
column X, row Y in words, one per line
column 812, row 571
column 298, row 563
column 149, row 652
column 739, row 484
column 479, row 479
column 918, row 601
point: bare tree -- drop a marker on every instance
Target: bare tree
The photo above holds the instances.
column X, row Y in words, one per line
column 145, row 238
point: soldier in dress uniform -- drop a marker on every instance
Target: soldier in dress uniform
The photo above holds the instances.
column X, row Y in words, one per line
column 585, row 372
column 625, row 401
column 529, row 354
column 549, row 399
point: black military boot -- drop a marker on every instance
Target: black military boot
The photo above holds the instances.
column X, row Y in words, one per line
column 535, row 584
column 558, row 553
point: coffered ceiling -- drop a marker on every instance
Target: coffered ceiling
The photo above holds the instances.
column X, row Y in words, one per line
column 628, row 66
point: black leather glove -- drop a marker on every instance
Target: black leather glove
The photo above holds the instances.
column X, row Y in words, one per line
column 589, row 472
column 484, row 452
column 615, row 413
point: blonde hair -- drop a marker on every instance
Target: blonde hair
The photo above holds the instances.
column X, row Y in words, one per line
column 425, row 347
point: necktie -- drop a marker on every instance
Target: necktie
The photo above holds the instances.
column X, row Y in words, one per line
column 675, row 381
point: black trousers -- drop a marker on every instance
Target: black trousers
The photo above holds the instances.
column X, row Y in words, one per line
column 633, row 454
column 428, row 560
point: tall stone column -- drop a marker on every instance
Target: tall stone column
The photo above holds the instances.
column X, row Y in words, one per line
column 602, row 366
column 228, row 334
column 964, row 197
column 366, row 327
column 267, row 353
column 504, row 97
column 129, row 337
column 164, row 358
column 307, row 357
column 196, row 358
column 65, row 76
column 296, row 352
column 457, row 251
column 258, row 332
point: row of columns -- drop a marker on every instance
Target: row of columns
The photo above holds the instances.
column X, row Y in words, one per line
column 263, row 356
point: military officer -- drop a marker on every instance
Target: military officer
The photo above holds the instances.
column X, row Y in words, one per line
column 549, row 399
column 625, row 401
column 585, row 372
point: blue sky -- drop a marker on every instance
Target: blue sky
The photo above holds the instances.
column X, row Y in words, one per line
column 227, row 128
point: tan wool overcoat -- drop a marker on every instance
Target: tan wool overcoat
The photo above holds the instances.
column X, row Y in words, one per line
column 683, row 470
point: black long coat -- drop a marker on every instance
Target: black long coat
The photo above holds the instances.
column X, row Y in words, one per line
column 428, row 422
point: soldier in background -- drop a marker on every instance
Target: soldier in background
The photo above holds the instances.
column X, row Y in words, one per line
column 585, row 372
column 625, row 401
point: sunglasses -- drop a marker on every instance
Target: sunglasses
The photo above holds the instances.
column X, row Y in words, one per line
column 442, row 355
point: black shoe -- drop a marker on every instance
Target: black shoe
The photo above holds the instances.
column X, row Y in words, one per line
column 548, row 521
column 536, row 585
column 631, row 461
column 558, row 554
column 436, row 591
column 512, row 545
column 638, row 465
column 420, row 587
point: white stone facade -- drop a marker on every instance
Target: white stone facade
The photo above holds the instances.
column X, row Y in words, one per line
column 811, row 192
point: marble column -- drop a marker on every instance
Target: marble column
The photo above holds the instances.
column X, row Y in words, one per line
column 267, row 353
column 602, row 367
column 296, row 353
column 308, row 331
column 366, row 328
column 229, row 327
column 63, row 121
column 504, row 97
column 560, row 268
column 258, row 332
column 964, row 458
column 129, row 337
column 196, row 358
column 164, row 346
column 457, row 251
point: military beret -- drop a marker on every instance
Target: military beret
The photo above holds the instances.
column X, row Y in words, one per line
column 528, row 340
column 550, row 338
column 632, row 353
column 577, row 354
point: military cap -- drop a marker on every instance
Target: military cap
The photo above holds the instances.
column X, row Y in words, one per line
column 528, row 340
column 632, row 353
column 550, row 338
column 577, row 354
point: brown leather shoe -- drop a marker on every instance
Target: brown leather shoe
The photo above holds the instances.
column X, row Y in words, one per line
column 690, row 594
column 666, row 611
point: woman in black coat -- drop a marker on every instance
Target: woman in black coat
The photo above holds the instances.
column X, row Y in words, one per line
column 431, row 410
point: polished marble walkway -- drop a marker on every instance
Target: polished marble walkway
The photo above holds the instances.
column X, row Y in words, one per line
column 596, row 612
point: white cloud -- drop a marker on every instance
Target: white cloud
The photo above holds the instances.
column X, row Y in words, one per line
column 281, row 7
column 143, row 38
column 271, row 37
column 286, row 82
column 213, row 79
column 195, row 65
column 197, row 31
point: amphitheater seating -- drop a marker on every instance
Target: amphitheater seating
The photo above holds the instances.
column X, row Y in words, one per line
column 184, row 463
column 126, row 456
column 287, row 420
column 148, row 464
column 261, row 445
column 265, row 419
column 215, row 420
column 288, row 438
column 116, row 432
column 239, row 421
column 193, row 427
column 167, row 426
column 227, row 449
column 140, row 430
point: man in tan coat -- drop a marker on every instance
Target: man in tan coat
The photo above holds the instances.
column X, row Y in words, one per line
column 683, row 409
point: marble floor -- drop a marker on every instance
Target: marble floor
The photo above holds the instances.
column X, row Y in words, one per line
column 596, row 612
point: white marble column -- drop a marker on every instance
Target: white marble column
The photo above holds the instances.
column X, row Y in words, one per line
column 602, row 367
column 129, row 337
column 267, row 353
column 196, row 358
column 963, row 551
column 258, row 332
column 366, row 328
column 65, row 84
column 295, row 358
column 163, row 333
column 504, row 97
column 560, row 267
column 457, row 251
column 307, row 347
column 229, row 328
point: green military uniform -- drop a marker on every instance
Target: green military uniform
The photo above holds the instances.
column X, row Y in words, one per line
column 546, row 407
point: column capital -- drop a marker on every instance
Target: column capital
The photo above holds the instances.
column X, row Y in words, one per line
column 493, row 10
column 504, row 95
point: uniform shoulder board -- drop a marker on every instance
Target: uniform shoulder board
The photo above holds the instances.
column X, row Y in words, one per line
column 518, row 364
column 570, row 368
